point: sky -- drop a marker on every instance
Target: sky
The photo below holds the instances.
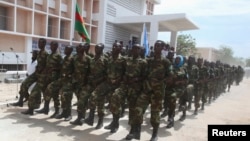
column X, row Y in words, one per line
column 220, row 22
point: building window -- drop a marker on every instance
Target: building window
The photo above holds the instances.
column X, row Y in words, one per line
column 50, row 27
column 150, row 7
column 3, row 18
column 62, row 29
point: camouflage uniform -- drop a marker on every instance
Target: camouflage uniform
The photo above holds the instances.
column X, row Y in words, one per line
column 153, row 91
column 35, row 95
column 115, row 72
column 199, row 87
column 178, row 87
column 62, row 85
column 211, row 83
column 81, row 70
column 205, row 84
column 193, row 74
column 97, row 74
column 135, row 71
column 26, row 85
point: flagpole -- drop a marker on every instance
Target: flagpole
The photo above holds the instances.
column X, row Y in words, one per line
column 73, row 7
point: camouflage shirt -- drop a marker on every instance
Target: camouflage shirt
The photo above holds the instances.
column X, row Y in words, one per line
column 41, row 61
column 67, row 67
column 135, row 67
column 158, row 69
column 193, row 73
column 116, row 68
column 81, row 69
column 98, row 69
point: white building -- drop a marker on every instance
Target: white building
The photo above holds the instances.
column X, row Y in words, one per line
column 22, row 22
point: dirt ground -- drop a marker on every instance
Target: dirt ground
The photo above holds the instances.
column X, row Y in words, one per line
column 230, row 108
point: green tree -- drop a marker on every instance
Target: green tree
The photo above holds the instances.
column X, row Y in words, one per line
column 225, row 54
column 248, row 62
column 185, row 45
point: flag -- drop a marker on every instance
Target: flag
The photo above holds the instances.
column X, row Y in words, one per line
column 145, row 40
column 80, row 27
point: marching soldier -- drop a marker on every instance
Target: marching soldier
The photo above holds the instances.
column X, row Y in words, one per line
column 34, row 100
column 159, row 70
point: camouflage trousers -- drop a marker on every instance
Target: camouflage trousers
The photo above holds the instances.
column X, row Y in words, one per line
column 167, row 91
column 42, row 82
column 172, row 98
column 198, row 90
column 154, row 96
column 66, row 93
column 204, row 93
column 97, row 98
column 211, row 91
column 77, row 88
column 133, row 92
column 52, row 91
column 34, row 101
column 117, row 99
column 26, row 85
column 85, row 93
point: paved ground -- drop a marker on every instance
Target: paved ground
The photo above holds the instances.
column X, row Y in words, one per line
column 229, row 108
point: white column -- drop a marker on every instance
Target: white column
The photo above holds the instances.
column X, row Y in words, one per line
column 28, row 49
column 73, row 7
column 102, row 21
column 154, row 28
column 173, row 39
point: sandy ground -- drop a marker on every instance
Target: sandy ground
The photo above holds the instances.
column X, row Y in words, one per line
column 230, row 108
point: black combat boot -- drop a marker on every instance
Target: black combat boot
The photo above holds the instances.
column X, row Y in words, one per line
column 78, row 120
column 28, row 112
column 196, row 111
column 19, row 102
column 137, row 133
column 123, row 111
column 130, row 135
column 189, row 105
column 90, row 119
column 154, row 134
column 164, row 113
column 203, row 106
column 100, row 123
column 171, row 122
column 108, row 127
column 45, row 109
column 183, row 117
column 115, row 125
column 26, row 97
column 68, row 116
column 56, row 113
column 61, row 115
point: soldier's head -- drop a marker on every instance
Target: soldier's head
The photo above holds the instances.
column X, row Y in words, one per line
column 218, row 63
column 116, row 48
column 206, row 63
column 68, row 50
column 42, row 43
column 86, row 47
column 136, row 50
column 99, row 48
column 200, row 61
column 212, row 64
column 53, row 46
column 159, row 44
column 79, row 49
column 191, row 60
